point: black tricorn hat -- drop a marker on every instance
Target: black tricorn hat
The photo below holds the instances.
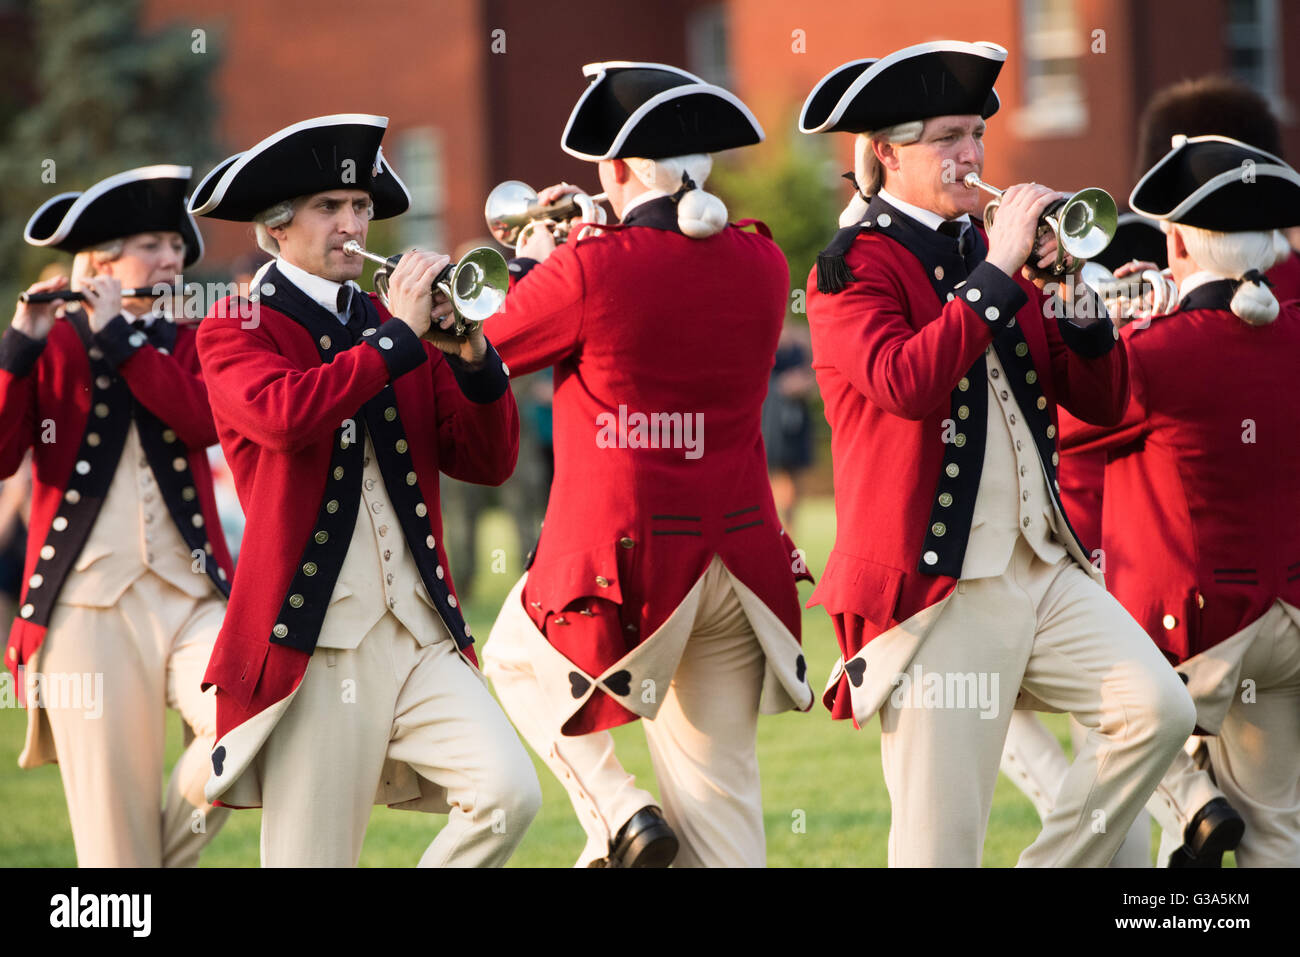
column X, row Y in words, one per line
column 940, row 78
column 328, row 152
column 1136, row 238
column 653, row 111
column 143, row 200
column 1214, row 182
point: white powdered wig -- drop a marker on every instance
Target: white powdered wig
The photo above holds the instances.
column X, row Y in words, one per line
column 870, row 174
column 1232, row 255
column 699, row 214
column 87, row 262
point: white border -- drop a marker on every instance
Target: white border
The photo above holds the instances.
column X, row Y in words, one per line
column 1280, row 169
column 83, row 200
column 982, row 48
column 807, row 103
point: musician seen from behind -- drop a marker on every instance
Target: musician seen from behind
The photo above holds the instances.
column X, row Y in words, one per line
column 127, row 571
column 1200, row 527
column 345, row 673
column 942, row 363
column 663, row 587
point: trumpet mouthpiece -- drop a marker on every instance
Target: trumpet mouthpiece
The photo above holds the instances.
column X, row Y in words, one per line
column 352, row 247
column 972, row 179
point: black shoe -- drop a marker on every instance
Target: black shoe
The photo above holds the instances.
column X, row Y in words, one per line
column 645, row 840
column 1216, row 828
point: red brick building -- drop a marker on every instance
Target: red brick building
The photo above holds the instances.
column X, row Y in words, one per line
column 478, row 90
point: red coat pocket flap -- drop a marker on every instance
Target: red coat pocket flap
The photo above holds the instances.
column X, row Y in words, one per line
column 236, row 667
column 861, row 587
column 558, row 580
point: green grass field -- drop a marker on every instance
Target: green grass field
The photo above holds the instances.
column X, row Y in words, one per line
column 818, row 772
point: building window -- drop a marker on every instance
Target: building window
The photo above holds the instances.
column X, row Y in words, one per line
column 419, row 163
column 706, row 44
column 1252, row 39
column 1053, row 103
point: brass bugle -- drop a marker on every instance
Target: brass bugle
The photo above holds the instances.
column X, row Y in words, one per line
column 71, row 295
column 1143, row 295
column 1083, row 224
column 476, row 286
column 512, row 210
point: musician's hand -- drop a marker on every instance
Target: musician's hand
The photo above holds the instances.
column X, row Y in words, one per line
column 1015, row 226
column 36, row 319
column 472, row 348
column 536, row 241
column 410, row 288
column 1134, row 266
column 553, row 193
column 103, row 300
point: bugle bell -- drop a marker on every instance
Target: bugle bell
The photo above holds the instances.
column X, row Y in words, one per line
column 1083, row 224
column 476, row 285
column 512, row 211
column 1143, row 295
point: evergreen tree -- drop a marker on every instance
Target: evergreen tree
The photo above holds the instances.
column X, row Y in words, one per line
column 107, row 97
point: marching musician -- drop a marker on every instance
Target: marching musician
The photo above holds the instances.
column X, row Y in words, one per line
column 1200, row 529
column 669, row 596
column 127, row 571
column 345, row 674
column 941, row 365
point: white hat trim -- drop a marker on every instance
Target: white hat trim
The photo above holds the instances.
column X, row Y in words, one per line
column 161, row 171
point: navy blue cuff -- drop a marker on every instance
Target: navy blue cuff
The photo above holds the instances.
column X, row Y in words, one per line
column 119, row 341
column 520, row 266
column 19, row 352
column 399, row 345
column 1094, row 341
column 995, row 296
column 485, row 384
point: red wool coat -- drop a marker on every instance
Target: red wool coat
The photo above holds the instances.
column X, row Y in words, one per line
column 1200, row 524
column 52, row 397
column 644, row 320
column 892, row 356
column 278, row 409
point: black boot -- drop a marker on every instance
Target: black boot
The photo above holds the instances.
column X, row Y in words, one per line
column 1216, row 828
column 645, row 840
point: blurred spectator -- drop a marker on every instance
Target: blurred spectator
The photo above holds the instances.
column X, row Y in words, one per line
column 787, row 422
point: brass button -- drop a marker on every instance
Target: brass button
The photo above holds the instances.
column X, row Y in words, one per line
column 1031, row 376
column 73, row 496
column 401, row 446
column 92, row 439
column 602, row 581
column 939, row 528
column 295, row 601
column 169, row 435
column 36, row 581
column 179, row 464
column 959, row 439
column 952, row 470
column 188, row 493
column 338, row 472
column 47, row 552
column 428, row 541
column 945, row 499
column 325, row 342
column 451, row 600
column 332, row 506
column 281, row 630
column 390, row 414
column 421, row 510
column 1200, row 600
column 59, row 523
column 963, row 383
column 411, row 478
column 103, row 382
column 1170, row 622
column 963, row 412
column 1022, row 350
column 309, row 569
column 322, row 537
column 938, row 272
column 1041, row 402
column 626, row 542
column 101, row 410
column 27, row 612
column 1051, row 431
column 196, row 521
column 1056, row 459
